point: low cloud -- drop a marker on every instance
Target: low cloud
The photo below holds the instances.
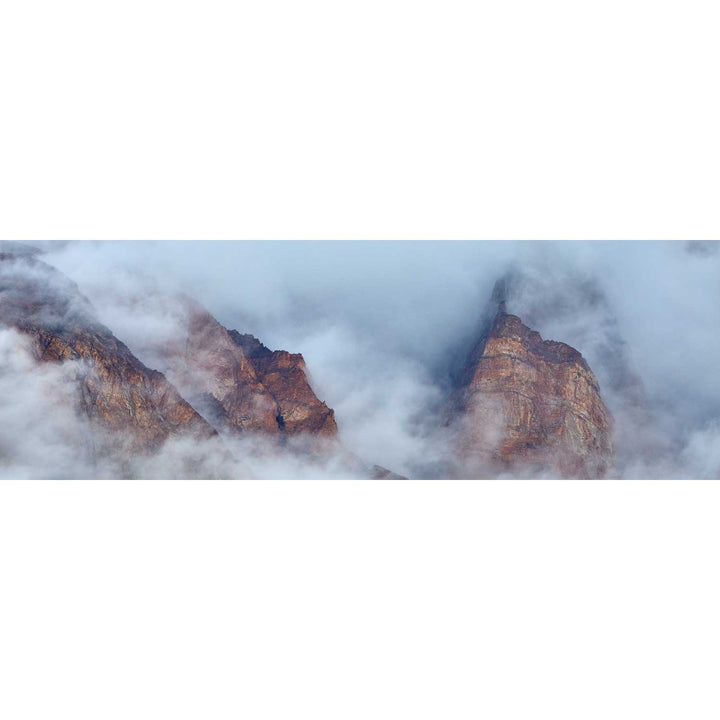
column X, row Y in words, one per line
column 41, row 435
column 383, row 326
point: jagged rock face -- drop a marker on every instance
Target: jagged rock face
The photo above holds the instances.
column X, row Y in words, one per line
column 115, row 390
column 285, row 376
column 214, row 374
column 240, row 385
column 576, row 304
column 528, row 406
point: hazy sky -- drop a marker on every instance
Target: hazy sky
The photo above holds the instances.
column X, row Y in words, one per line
column 380, row 323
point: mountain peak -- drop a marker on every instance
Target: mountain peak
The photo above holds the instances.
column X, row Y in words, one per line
column 512, row 327
column 526, row 405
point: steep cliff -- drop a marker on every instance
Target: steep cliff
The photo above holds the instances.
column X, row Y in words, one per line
column 527, row 406
column 237, row 383
column 284, row 375
column 574, row 305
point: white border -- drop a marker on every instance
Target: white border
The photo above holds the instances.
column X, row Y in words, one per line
column 391, row 119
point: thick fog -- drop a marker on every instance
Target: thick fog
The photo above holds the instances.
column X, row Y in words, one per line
column 384, row 325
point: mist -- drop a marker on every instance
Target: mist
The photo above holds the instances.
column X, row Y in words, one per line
column 384, row 325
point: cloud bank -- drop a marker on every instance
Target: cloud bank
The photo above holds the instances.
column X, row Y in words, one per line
column 384, row 325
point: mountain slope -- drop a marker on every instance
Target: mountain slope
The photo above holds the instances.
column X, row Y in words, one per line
column 122, row 397
column 235, row 382
column 217, row 392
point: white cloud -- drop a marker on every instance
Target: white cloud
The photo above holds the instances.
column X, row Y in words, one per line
column 382, row 324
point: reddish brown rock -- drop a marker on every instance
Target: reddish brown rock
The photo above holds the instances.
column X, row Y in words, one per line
column 213, row 373
column 238, row 384
column 115, row 390
column 284, row 375
column 528, row 406
column 225, row 381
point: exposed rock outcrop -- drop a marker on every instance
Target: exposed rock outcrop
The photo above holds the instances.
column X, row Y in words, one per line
column 527, row 407
column 284, row 375
column 574, row 305
column 211, row 370
column 238, row 384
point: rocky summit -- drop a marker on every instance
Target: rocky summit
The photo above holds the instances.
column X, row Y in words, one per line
column 529, row 407
column 239, row 384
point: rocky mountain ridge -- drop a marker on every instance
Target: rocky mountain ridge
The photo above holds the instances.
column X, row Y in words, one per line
column 213, row 381
column 238, row 383
column 522, row 406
